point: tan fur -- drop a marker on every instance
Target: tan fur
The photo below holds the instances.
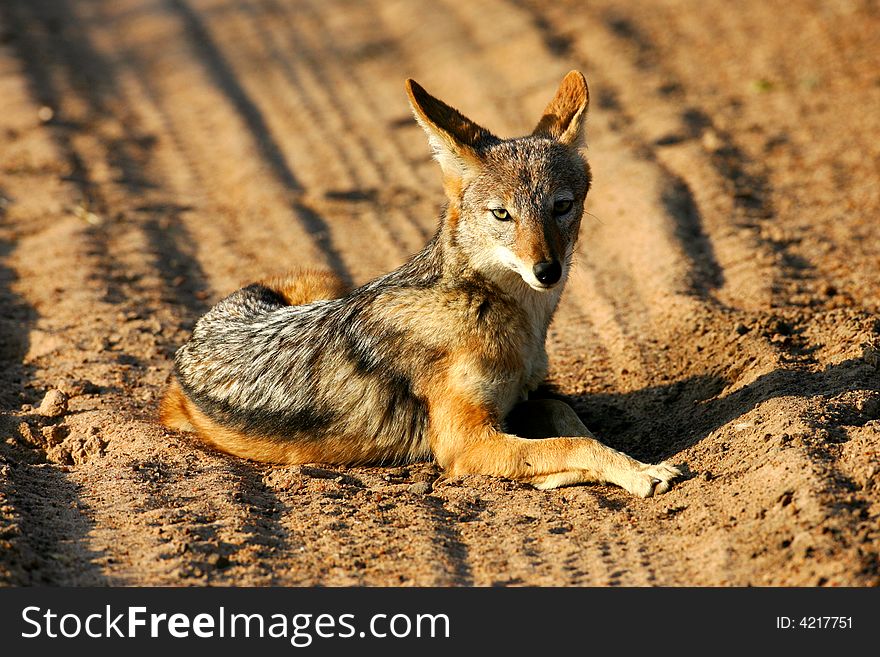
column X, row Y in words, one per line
column 562, row 116
column 305, row 286
column 538, row 244
column 174, row 409
column 459, row 133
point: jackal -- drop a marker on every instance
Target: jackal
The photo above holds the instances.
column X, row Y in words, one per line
column 430, row 359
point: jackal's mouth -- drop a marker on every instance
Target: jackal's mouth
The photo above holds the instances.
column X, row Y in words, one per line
column 541, row 287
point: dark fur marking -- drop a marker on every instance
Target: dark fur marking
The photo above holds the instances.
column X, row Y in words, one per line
column 395, row 387
column 412, row 407
column 263, row 295
column 302, row 423
column 483, row 310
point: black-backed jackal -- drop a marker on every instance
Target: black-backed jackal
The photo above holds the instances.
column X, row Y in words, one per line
column 429, row 359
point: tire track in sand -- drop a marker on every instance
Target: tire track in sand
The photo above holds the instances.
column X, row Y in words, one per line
column 119, row 255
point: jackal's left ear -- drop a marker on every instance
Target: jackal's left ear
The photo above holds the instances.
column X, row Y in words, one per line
column 563, row 118
column 455, row 139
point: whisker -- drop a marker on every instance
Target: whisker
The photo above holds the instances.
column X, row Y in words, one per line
column 594, row 217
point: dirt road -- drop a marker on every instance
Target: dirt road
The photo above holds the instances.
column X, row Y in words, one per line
column 155, row 154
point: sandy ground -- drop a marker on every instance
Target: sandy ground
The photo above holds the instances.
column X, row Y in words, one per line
column 155, row 154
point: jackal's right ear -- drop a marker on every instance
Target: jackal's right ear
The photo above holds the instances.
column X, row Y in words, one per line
column 563, row 118
column 455, row 139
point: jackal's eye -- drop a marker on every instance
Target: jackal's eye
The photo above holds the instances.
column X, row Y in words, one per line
column 561, row 207
column 501, row 214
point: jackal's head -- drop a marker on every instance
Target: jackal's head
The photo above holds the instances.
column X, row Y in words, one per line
column 515, row 205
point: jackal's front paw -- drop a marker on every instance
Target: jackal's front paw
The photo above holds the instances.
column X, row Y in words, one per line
column 647, row 480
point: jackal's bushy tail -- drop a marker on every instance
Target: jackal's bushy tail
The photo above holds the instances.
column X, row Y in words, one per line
column 298, row 288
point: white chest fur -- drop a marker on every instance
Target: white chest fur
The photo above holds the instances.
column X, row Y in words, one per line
column 538, row 308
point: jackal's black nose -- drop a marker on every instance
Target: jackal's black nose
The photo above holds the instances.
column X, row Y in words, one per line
column 548, row 272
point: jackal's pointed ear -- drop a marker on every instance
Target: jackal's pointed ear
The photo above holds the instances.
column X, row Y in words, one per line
column 455, row 139
column 563, row 118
